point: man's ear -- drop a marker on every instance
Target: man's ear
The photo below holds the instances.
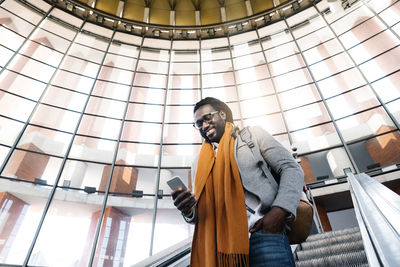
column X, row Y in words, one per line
column 223, row 115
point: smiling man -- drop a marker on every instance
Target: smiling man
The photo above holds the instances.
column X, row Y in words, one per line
column 234, row 198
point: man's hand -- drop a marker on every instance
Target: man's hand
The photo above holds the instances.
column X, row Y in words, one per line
column 273, row 222
column 183, row 200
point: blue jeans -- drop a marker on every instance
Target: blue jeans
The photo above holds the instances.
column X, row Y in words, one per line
column 272, row 250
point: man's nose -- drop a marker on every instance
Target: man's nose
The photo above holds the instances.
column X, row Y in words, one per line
column 204, row 123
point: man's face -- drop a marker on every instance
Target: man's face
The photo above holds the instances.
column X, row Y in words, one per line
column 213, row 122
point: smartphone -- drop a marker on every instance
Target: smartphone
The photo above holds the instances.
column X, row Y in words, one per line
column 176, row 183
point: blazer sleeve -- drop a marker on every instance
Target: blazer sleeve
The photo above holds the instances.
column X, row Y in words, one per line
column 283, row 164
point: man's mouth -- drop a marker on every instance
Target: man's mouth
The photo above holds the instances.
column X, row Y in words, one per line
column 210, row 132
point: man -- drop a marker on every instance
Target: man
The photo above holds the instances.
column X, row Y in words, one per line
column 227, row 206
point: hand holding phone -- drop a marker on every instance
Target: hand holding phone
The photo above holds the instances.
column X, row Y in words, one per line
column 184, row 200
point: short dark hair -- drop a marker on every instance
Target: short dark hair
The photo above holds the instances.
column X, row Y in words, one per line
column 217, row 104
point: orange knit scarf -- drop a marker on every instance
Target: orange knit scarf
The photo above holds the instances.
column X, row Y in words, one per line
column 221, row 235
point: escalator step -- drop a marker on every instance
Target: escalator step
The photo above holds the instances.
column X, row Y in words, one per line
column 355, row 258
column 333, row 233
column 329, row 250
column 330, row 241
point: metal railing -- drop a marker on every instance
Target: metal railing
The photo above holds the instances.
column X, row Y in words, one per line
column 377, row 210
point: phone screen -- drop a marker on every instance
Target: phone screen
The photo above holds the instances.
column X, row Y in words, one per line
column 176, row 183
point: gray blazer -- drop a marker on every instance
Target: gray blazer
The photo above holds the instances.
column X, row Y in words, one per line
column 282, row 163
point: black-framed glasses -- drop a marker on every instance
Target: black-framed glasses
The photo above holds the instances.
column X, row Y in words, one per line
column 206, row 118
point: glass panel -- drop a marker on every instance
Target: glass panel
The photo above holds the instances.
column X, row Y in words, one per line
column 246, row 48
column 281, row 51
column 125, row 232
column 315, row 38
column 98, row 126
column 45, row 141
column 331, row 66
column 148, row 95
column 73, row 81
column 185, row 68
column 387, row 88
column 179, row 114
column 226, row 94
column 31, row 68
column 252, row 74
column 218, row 79
column 78, row 174
column 394, row 108
column 9, row 131
column 391, row 15
column 3, row 153
column 373, row 47
column 92, row 41
column 80, row 66
column 272, row 123
column 181, row 155
column 123, row 49
column 141, row 132
column 150, row 80
column 138, row 154
column 181, row 133
column 64, row 98
column 28, row 165
column 105, row 107
column 352, row 102
column 376, row 152
column 15, row 23
column 70, row 225
column 255, row 89
column 306, row 116
column 176, row 97
column 15, row 107
column 365, row 124
column 170, row 228
column 326, row 164
column 153, row 66
column 315, row 138
column 158, row 55
column 20, row 215
column 341, row 82
column 21, row 85
column 41, row 53
column 59, row 29
column 292, row 79
column 184, row 81
column 111, row 90
column 276, row 39
column 260, row 106
column 55, row 118
column 51, row 40
column 93, row 149
column 322, row 51
column 144, row 112
column 362, row 32
column 86, row 53
column 248, row 61
column 185, row 55
column 122, row 62
column 307, row 26
column 215, row 54
column 351, row 19
column 216, row 66
column 381, row 65
column 116, row 75
column 10, row 39
column 298, row 97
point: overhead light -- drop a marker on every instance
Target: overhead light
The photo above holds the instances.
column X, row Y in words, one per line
column 184, row 34
column 40, row 181
column 128, row 27
column 70, row 7
column 160, row 194
column 99, row 19
column 239, row 27
column 211, row 32
column 156, row 33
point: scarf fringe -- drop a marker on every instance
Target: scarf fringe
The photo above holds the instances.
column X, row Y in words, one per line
column 232, row 260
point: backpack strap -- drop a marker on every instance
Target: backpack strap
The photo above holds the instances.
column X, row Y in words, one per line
column 246, row 137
